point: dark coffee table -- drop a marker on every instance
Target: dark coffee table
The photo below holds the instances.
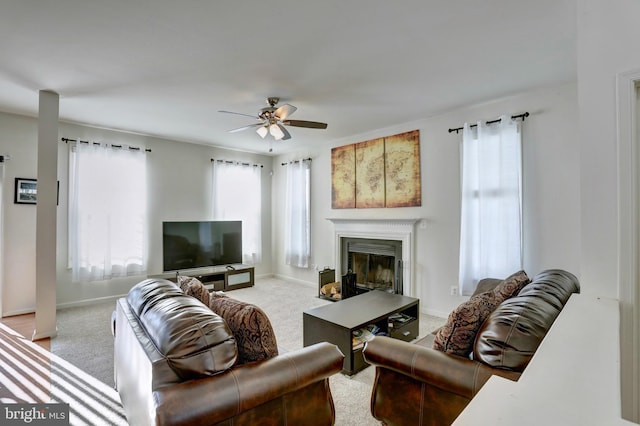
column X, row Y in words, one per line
column 336, row 322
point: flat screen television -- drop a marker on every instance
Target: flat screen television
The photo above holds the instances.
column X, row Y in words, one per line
column 187, row 245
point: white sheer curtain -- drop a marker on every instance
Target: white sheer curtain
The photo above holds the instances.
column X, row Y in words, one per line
column 491, row 214
column 107, row 211
column 237, row 196
column 297, row 242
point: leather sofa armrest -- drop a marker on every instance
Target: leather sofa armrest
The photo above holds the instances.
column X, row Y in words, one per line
column 451, row 373
column 214, row 399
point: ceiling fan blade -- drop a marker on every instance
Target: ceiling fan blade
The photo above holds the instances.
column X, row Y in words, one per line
column 287, row 135
column 303, row 123
column 284, row 111
column 239, row 129
column 239, row 113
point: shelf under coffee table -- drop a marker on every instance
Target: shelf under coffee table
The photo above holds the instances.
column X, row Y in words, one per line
column 336, row 322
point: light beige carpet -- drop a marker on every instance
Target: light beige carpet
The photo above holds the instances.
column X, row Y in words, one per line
column 84, row 339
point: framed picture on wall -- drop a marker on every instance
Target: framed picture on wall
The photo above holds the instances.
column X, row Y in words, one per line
column 26, row 191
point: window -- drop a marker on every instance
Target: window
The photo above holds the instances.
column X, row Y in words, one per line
column 297, row 243
column 237, row 196
column 107, row 211
column 491, row 214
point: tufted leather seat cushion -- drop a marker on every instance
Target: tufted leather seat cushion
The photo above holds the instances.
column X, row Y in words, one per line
column 514, row 330
column 194, row 341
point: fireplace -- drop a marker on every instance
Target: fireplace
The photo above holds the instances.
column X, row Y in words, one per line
column 384, row 233
column 377, row 264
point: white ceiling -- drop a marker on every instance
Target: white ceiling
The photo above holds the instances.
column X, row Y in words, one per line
column 164, row 67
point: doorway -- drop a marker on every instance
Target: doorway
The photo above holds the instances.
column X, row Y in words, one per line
column 628, row 127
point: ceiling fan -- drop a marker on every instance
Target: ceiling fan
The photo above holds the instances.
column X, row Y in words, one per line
column 272, row 121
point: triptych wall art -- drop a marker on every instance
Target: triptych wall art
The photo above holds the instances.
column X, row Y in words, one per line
column 378, row 173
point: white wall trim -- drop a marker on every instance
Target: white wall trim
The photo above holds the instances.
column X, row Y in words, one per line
column 89, row 302
column 295, row 280
column 628, row 242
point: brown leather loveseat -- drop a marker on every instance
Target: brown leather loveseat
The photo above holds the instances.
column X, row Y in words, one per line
column 176, row 363
column 418, row 385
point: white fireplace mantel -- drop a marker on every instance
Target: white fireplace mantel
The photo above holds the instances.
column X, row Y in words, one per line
column 380, row 229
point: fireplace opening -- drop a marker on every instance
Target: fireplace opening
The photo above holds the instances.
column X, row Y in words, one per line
column 377, row 264
column 373, row 271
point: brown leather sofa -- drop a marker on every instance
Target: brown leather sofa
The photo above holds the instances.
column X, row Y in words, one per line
column 176, row 363
column 418, row 385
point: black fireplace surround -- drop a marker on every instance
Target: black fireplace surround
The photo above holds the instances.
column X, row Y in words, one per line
column 371, row 264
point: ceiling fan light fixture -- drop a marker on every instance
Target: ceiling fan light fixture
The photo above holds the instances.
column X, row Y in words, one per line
column 262, row 131
column 276, row 131
column 274, row 121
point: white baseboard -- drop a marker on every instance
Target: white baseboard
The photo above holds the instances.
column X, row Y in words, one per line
column 18, row 312
column 91, row 302
column 284, row 277
column 435, row 313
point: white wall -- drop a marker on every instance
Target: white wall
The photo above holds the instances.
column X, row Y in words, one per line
column 179, row 180
column 551, row 194
column 19, row 140
column 608, row 34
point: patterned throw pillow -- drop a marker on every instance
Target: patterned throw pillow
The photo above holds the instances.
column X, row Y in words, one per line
column 214, row 294
column 183, row 282
column 512, row 285
column 456, row 337
column 192, row 286
column 250, row 327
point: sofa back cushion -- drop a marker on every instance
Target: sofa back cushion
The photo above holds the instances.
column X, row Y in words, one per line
column 456, row 337
column 486, row 284
column 250, row 326
column 514, row 330
column 146, row 294
column 194, row 341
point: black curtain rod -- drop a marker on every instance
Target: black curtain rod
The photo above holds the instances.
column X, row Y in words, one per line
column 523, row 116
column 237, row 162
column 296, row 161
column 132, row 148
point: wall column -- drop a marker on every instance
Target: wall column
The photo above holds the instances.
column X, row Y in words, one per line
column 46, row 216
